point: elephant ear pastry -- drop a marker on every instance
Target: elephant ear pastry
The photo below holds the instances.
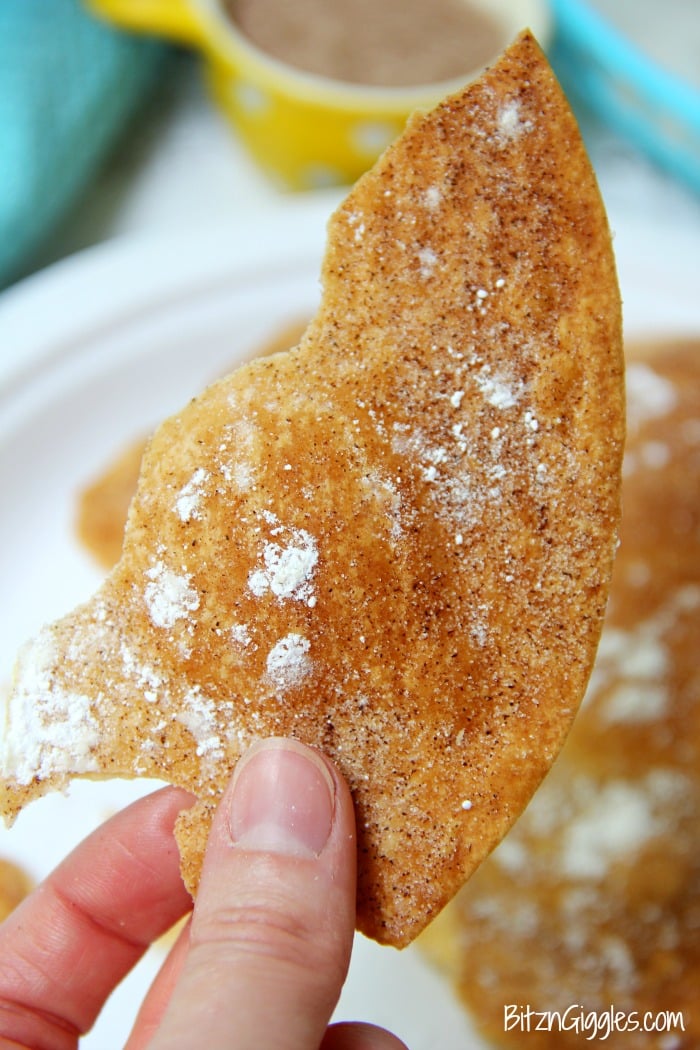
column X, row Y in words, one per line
column 394, row 541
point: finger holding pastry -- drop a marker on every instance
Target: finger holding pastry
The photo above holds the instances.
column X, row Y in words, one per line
column 285, row 824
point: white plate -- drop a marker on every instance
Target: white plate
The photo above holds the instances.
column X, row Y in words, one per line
column 97, row 350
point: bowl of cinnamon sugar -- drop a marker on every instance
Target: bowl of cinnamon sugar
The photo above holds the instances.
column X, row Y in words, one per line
column 316, row 89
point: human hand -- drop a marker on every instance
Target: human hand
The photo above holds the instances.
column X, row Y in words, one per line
column 262, row 961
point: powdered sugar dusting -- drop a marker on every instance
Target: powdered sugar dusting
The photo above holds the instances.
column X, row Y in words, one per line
column 510, row 123
column 618, row 818
column 146, row 678
column 427, row 260
column 355, row 220
column 236, row 451
column 638, row 660
column 56, row 736
column 496, row 389
column 644, row 702
column 649, row 395
column 169, row 595
column 288, row 566
column 388, row 495
column 187, row 504
column 432, row 197
column 240, row 635
column 198, row 715
column 288, row 662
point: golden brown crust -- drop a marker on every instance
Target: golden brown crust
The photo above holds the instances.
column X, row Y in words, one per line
column 593, row 897
column 395, row 541
column 103, row 504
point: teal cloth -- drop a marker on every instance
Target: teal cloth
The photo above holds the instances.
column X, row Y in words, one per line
column 68, row 85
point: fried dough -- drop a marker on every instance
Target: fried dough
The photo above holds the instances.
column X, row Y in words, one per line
column 593, row 898
column 393, row 542
column 103, row 505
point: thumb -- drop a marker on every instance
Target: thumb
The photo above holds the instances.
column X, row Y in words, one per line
column 273, row 922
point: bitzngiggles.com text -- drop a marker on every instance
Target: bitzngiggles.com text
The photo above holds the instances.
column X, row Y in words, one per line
column 592, row 1024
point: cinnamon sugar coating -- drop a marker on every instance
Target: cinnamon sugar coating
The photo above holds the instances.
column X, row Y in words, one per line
column 593, row 898
column 393, row 542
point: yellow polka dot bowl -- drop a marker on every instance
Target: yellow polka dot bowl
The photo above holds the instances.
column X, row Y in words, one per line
column 304, row 130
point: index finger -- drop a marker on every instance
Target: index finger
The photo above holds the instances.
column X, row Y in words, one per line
column 71, row 941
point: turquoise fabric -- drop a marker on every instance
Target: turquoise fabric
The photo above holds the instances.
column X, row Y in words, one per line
column 68, row 84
